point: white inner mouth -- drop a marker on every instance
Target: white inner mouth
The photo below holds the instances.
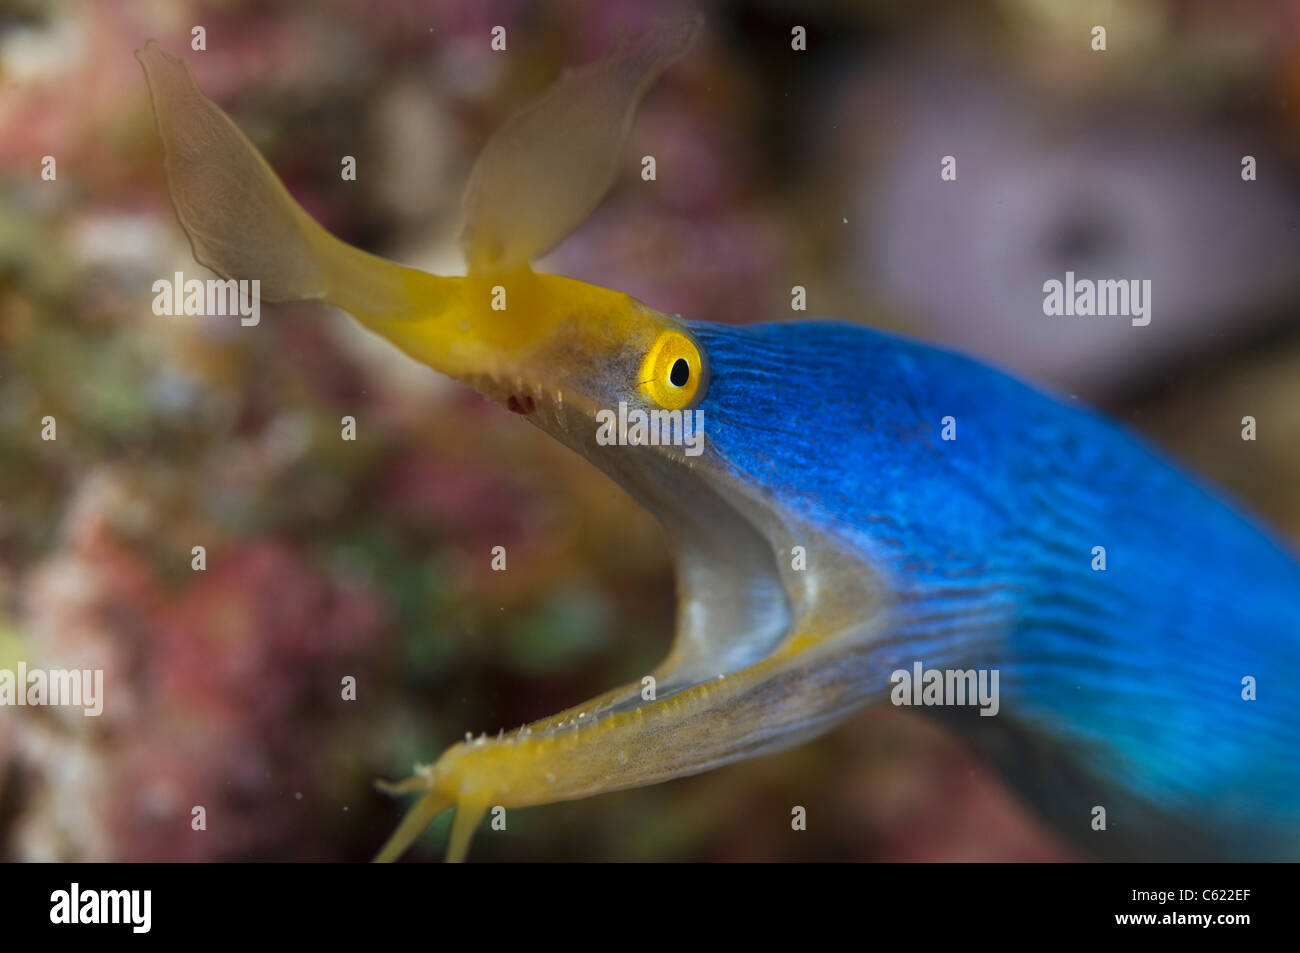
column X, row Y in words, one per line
column 733, row 608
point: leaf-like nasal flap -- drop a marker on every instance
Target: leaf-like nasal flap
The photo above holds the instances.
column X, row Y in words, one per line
column 244, row 224
column 240, row 220
column 544, row 171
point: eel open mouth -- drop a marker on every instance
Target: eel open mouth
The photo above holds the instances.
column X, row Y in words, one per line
column 742, row 676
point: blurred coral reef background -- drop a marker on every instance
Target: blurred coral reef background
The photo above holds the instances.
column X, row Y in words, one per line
column 370, row 558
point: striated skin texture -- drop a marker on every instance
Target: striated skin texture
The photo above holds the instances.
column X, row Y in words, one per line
column 1120, row 688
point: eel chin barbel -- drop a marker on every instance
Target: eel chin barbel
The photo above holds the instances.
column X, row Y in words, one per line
column 1120, row 689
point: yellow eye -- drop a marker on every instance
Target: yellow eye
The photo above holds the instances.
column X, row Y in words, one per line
column 672, row 374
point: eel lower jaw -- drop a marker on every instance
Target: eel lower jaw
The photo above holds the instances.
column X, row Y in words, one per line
column 587, row 750
column 638, row 734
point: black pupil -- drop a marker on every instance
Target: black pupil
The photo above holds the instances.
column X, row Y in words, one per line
column 680, row 373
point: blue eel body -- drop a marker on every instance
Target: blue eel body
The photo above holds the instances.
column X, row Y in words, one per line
column 1120, row 688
